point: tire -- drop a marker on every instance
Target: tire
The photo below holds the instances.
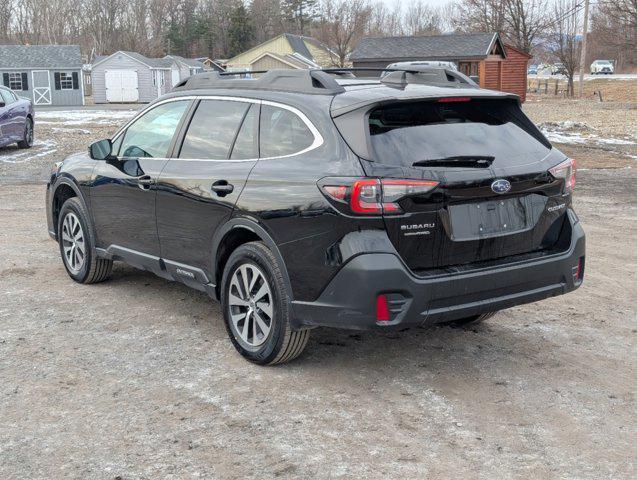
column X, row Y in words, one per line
column 472, row 320
column 27, row 141
column 74, row 235
column 258, row 323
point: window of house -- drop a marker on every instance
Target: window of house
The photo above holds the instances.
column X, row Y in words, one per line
column 66, row 81
column 15, row 81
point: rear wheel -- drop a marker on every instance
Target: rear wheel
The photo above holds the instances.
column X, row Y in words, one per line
column 77, row 245
column 256, row 307
column 472, row 320
column 27, row 141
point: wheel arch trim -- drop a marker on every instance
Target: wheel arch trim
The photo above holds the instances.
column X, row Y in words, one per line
column 259, row 231
column 69, row 182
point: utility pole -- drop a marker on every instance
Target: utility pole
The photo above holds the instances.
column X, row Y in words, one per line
column 582, row 58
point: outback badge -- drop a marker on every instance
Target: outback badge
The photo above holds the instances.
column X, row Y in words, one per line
column 501, row 186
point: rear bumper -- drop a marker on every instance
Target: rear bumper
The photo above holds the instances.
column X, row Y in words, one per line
column 349, row 300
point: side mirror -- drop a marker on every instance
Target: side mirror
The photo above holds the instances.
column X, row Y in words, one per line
column 2, row 104
column 101, row 150
column 475, row 78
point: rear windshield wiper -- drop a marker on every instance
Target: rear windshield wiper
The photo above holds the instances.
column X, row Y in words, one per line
column 466, row 161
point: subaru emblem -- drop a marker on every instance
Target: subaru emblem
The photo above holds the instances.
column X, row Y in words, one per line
column 501, row 186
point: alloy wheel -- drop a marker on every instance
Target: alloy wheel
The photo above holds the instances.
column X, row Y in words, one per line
column 73, row 243
column 251, row 305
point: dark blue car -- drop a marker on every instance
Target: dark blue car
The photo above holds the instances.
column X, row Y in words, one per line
column 16, row 120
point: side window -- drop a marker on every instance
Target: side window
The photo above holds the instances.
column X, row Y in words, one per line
column 282, row 132
column 212, row 129
column 245, row 146
column 151, row 134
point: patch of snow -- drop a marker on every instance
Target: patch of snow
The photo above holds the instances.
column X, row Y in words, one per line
column 40, row 148
column 614, row 141
column 570, row 132
column 566, row 138
column 81, row 117
column 567, row 125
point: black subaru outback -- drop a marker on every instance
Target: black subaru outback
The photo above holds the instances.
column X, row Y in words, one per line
column 312, row 198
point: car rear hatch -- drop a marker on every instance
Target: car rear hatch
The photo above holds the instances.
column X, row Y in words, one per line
column 494, row 196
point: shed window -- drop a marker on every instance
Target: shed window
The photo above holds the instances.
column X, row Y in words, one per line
column 15, row 81
column 66, row 81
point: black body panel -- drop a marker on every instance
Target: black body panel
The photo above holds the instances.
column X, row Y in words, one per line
column 165, row 215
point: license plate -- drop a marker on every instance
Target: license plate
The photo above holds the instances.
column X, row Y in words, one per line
column 495, row 218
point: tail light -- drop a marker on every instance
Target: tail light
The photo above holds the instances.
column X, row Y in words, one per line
column 566, row 170
column 373, row 196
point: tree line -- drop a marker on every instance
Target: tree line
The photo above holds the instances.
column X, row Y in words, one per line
column 224, row 28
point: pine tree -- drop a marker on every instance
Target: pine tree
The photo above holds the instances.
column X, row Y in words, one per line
column 241, row 31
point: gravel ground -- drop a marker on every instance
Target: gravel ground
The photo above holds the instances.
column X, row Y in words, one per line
column 135, row 378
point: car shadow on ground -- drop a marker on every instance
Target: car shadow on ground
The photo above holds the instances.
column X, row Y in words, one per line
column 506, row 340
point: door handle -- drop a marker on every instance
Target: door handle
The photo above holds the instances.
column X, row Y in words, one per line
column 145, row 181
column 222, row 188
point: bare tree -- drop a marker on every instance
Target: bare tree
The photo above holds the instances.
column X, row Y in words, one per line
column 525, row 21
column 421, row 19
column 565, row 43
column 614, row 31
column 343, row 23
column 385, row 22
column 480, row 16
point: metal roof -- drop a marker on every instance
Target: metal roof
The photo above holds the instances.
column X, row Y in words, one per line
column 191, row 62
column 40, row 56
column 298, row 45
column 432, row 47
column 151, row 62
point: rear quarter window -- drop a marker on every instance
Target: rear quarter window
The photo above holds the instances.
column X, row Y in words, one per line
column 282, row 132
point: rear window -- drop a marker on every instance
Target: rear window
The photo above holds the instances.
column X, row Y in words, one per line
column 406, row 133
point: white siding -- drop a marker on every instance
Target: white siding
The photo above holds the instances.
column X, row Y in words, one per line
column 120, row 61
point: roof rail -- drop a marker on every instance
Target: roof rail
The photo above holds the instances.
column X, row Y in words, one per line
column 313, row 81
column 420, row 74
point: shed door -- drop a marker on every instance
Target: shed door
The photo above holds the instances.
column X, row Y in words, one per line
column 174, row 76
column 41, row 87
column 121, row 86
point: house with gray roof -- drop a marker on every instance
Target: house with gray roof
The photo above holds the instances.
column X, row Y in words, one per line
column 44, row 74
column 481, row 55
column 187, row 66
column 130, row 77
column 465, row 50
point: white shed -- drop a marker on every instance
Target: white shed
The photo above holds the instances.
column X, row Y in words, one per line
column 130, row 77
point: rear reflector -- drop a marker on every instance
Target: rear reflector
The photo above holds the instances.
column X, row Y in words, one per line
column 382, row 309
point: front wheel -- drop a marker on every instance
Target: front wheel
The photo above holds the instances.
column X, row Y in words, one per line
column 27, row 139
column 256, row 307
column 77, row 246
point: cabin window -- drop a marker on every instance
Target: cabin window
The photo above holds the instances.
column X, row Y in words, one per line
column 15, row 81
column 66, row 81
